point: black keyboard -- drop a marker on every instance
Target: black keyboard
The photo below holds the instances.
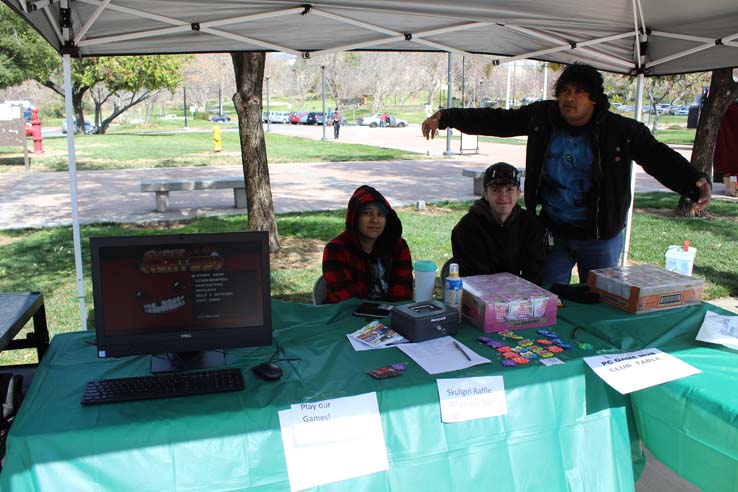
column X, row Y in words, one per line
column 162, row 386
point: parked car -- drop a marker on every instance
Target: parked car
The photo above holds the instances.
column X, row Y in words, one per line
column 279, row 117
column 314, row 118
column 375, row 120
column 679, row 110
column 295, row 117
column 219, row 118
column 89, row 129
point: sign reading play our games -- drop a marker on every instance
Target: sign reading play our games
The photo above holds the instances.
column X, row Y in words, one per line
column 633, row 371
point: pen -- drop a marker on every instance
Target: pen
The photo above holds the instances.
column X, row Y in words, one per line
column 458, row 347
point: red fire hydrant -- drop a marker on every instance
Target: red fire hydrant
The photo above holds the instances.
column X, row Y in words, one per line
column 38, row 145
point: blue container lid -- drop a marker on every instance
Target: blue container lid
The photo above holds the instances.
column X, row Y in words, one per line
column 425, row 266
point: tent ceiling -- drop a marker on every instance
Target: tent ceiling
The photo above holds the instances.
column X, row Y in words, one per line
column 683, row 35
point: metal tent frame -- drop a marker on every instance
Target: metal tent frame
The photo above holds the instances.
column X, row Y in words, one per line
column 636, row 37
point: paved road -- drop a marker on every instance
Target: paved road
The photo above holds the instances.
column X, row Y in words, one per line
column 38, row 199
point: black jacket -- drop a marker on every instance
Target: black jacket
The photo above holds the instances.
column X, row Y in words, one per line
column 616, row 141
column 481, row 245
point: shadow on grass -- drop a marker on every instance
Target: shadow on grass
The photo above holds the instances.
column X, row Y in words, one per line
column 722, row 278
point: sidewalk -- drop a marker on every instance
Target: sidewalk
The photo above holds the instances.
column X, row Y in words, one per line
column 40, row 199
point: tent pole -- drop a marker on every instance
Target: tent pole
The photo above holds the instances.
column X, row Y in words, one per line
column 67, row 63
column 449, row 100
column 629, row 220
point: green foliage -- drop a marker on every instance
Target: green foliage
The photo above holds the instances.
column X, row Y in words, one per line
column 23, row 53
column 137, row 73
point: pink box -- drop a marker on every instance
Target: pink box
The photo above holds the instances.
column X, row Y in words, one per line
column 504, row 301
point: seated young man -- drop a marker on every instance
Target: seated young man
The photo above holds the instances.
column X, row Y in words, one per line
column 369, row 259
column 496, row 235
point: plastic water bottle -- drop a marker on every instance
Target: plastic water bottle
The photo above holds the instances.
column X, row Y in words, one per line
column 452, row 288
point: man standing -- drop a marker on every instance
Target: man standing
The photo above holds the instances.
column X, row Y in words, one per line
column 336, row 119
column 578, row 168
column 496, row 235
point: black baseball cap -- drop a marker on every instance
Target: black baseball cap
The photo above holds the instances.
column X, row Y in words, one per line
column 502, row 173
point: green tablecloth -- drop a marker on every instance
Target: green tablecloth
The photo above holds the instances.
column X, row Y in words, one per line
column 691, row 424
column 565, row 430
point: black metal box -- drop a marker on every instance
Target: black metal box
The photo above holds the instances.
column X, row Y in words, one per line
column 425, row 320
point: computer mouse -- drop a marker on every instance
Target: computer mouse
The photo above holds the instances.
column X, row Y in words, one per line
column 268, row 371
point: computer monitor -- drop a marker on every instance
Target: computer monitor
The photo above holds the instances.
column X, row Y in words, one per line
column 182, row 298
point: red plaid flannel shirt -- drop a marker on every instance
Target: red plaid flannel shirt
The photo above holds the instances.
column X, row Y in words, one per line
column 347, row 269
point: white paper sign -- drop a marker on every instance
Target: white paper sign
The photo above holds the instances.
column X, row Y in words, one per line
column 633, row 371
column 316, row 464
column 340, row 419
column 471, row 398
column 719, row 329
column 551, row 361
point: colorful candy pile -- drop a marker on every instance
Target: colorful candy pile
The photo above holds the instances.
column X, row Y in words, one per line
column 527, row 350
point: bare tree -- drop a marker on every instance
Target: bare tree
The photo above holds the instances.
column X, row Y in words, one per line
column 304, row 76
column 249, row 70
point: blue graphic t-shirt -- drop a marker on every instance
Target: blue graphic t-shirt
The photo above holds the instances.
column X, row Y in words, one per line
column 567, row 178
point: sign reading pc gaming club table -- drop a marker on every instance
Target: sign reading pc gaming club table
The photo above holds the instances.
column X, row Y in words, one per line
column 633, row 371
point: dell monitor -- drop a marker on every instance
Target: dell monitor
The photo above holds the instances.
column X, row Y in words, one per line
column 181, row 298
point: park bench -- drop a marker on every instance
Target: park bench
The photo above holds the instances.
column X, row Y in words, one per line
column 478, row 176
column 162, row 187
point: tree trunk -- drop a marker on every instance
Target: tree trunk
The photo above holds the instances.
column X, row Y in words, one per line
column 723, row 91
column 249, row 70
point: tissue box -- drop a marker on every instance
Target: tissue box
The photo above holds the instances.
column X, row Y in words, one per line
column 643, row 288
column 503, row 301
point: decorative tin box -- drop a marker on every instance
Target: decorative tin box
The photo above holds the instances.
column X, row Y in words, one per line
column 503, row 301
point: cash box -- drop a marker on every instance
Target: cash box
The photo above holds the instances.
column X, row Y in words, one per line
column 425, row 320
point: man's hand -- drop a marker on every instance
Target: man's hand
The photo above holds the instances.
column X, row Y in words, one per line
column 431, row 124
column 705, row 193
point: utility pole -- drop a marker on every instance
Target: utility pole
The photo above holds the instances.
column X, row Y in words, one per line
column 184, row 94
column 269, row 120
column 322, row 80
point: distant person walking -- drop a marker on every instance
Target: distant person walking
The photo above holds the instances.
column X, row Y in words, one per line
column 336, row 123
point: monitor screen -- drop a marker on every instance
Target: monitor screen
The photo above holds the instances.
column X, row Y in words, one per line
column 181, row 294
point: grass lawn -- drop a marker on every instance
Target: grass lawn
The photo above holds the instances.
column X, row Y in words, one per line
column 43, row 259
column 125, row 151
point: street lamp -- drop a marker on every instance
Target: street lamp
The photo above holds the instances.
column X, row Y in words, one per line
column 481, row 83
column 269, row 128
column 322, row 78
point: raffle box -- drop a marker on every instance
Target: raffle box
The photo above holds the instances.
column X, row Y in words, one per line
column 643, row 288
column 504, row 301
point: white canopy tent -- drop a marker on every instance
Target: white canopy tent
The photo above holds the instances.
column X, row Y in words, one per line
column 637, row 37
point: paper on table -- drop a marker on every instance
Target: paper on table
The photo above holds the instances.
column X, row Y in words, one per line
column 633, row 371
column 719, row 329
column 325, row 462
column 471, row 398
column 442, row 355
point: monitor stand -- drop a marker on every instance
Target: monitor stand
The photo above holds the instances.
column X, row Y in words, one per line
column 187, row 361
